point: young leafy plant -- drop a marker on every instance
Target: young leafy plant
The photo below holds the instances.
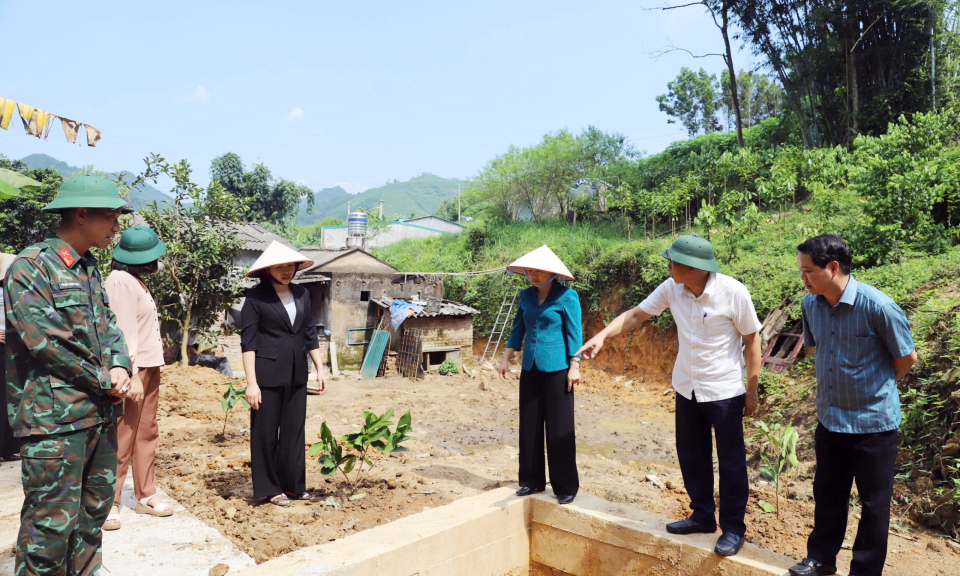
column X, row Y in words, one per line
column 230, row 399
column 375, row 434
column 784, row 458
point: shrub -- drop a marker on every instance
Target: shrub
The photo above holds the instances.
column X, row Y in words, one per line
column 449, row 366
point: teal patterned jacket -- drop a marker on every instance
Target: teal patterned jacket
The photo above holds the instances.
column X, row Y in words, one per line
column 62, row 341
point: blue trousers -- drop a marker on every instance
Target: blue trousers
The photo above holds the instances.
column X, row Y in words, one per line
column 697, row 424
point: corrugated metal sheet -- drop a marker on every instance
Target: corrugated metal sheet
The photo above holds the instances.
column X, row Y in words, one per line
column 447, row 308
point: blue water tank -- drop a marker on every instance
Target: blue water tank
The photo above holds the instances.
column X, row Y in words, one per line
column 357, row 224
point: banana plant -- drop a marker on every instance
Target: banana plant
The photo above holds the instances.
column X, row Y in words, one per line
column 375, row 434
column 784, row 460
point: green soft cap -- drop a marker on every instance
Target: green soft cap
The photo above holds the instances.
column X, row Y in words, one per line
column 88, row 192
column 139, row 245
column 693, row 251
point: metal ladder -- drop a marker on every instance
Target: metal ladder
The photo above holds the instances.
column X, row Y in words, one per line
column 500, row 325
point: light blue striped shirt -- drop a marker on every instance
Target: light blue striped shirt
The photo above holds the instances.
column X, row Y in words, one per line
column 857, row 341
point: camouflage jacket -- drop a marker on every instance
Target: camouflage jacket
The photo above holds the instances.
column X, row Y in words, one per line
column 62, row 340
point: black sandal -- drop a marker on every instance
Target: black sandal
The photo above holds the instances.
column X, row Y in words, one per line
column 281, row 500
column 304, row 496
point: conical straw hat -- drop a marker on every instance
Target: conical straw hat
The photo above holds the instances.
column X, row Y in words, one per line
column 542, row 258
column 277, row 253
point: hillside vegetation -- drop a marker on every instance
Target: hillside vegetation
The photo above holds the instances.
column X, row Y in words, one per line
column 143, row 196
column 417, row 196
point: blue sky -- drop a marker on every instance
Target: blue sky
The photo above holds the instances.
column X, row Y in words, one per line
column 354, row 93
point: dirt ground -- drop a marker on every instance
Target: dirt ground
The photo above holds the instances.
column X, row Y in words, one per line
column 466, row 437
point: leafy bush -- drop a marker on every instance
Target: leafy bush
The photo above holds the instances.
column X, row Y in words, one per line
column 449, row 366
column 375, row 434
column 910, row 177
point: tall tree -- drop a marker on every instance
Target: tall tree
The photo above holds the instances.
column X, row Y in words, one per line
column 847, row 66
column 199, row 279
column 723, row 9
column 692, row 101
column 267, row 200
column 22, row 219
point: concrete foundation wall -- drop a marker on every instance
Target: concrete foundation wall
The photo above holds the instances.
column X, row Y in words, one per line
column 485, row 535
column 496, row 534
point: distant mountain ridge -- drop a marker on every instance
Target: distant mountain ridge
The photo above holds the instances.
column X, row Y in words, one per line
column 139, row 198
column 420, row 195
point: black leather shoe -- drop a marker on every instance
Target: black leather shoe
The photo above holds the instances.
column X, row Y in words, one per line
column 689, row 526
column 11, row 457
column 810, row 567
column 526, row 491
column 728, row 544
column 565, row 499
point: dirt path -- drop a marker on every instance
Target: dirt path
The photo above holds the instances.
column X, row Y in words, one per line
column 466, row 432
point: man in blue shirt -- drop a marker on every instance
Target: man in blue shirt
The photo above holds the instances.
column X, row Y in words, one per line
column 863, row 346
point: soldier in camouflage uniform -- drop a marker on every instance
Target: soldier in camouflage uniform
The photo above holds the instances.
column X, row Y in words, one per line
column 67, row 372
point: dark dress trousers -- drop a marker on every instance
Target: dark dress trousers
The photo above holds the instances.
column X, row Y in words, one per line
column 277, row 441
column 551, row 333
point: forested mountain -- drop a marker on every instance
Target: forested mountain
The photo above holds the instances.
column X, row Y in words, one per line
column 420, row 195
column 138, row 198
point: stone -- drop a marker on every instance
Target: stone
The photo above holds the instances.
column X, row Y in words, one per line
column 655, row 481
column 934, row 547
column 219, row 570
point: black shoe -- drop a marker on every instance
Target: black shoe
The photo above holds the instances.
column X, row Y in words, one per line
column 810, row 567
column 565, row 499
column 526, row 491
column 11, row 457
column 728, row 544
column 689, row 526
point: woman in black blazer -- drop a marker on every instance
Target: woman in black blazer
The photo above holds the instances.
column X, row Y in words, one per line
column 278, row 334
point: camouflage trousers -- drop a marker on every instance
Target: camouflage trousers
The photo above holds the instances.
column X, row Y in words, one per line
column 69, row 481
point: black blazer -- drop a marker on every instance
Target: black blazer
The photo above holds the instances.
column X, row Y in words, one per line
column 281, row 348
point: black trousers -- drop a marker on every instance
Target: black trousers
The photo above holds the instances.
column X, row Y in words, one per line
column 697, row 423
column 546, row 404
column 870, row 459
column 9, row 445
column 277, row 453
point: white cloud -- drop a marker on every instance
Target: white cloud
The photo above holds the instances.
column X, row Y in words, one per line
column 295, row 114
column 200, row 95
column 352, row 187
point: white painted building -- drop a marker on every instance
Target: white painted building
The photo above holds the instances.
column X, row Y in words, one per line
column 380, row 235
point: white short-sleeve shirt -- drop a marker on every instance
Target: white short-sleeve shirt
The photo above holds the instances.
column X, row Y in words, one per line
column 709, row 327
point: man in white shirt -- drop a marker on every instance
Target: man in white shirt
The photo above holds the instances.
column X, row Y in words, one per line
column 715, row 318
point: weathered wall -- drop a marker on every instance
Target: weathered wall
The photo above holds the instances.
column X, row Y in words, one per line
column 437, row 224
column 441, row 331
column 345, row 309
column 377, row 236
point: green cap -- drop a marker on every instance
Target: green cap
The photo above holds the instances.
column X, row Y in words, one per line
column 693, row 251
column 139, row 245
column 88, row 192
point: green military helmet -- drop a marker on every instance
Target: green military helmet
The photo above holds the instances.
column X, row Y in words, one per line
column 139, row 245
column 693, row 251
column 88, row 192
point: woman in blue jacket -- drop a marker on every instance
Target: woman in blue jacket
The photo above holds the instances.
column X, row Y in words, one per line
column 548, row 326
